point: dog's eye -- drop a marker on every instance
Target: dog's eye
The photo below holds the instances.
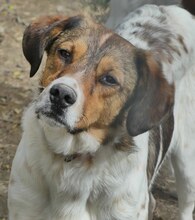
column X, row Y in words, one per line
column 108, row 80
column 65, row 55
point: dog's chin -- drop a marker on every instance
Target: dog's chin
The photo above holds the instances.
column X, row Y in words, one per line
column 51, row 119
column 54, row 120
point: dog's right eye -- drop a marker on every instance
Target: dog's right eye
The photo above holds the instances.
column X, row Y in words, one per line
column 108, row 80
column 65, row 55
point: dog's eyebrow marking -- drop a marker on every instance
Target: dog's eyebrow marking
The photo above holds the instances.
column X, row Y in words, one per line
column 65, row 25
column 70, row 23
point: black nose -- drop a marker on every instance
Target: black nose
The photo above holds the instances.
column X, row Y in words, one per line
column 62, row 95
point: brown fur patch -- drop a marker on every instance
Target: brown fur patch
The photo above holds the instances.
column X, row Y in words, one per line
column 102, row 102
column 46, row 21
column 99, row 134
column 125, row 144
column 88, row 161
column 181, row 40
column 104, row 38
column 55, row 66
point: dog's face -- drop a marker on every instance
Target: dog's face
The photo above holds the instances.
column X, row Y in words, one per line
column 94, row 79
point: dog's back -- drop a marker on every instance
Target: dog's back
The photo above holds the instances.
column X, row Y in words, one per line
column 119, row 9
column 170, row 33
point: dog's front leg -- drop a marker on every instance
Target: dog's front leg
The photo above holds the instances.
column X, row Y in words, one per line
column 121, row 209
column 129, row 202
column 185, row 185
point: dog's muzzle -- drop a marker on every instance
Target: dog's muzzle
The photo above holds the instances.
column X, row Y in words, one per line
column 62, row 96
column 61, row 103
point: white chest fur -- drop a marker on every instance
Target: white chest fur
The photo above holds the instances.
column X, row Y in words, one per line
column 113, row 187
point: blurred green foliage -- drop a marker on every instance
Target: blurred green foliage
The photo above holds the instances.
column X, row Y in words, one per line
column 6, row 7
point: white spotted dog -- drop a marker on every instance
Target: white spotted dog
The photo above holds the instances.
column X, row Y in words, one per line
column 169, row 34
column 94, row 137
column 119, row 9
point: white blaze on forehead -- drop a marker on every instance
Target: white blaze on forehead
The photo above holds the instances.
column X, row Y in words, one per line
column 104, row 38
column 68, row 81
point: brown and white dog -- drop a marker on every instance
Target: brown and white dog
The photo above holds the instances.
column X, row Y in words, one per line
column 96, row 135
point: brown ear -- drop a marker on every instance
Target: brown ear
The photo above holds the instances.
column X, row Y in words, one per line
column 41, row 33
column 152, row 97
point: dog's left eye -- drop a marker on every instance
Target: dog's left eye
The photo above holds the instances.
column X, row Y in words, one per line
column 108, row 80
column 65, row 55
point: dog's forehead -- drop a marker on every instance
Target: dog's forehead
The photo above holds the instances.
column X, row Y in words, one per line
column 95, row 36
column 94, row 50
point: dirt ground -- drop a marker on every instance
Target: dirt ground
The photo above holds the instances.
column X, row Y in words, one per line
column 16, row 89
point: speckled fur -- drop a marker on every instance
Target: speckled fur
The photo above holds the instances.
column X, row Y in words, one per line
column 169, row 32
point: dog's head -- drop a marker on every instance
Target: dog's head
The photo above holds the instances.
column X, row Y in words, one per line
column 94, row 79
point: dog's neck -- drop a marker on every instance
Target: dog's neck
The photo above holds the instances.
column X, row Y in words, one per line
column 59, row 141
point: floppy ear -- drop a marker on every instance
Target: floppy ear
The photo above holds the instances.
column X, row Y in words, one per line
column 152, row 97
column 41, row 33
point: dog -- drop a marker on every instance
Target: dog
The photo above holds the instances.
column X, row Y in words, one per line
column 161, row 33
column 110, row 107
column 119, row 9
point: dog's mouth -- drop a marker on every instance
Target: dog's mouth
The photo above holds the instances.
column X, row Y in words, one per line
column 51, row 117
column 56, row 117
